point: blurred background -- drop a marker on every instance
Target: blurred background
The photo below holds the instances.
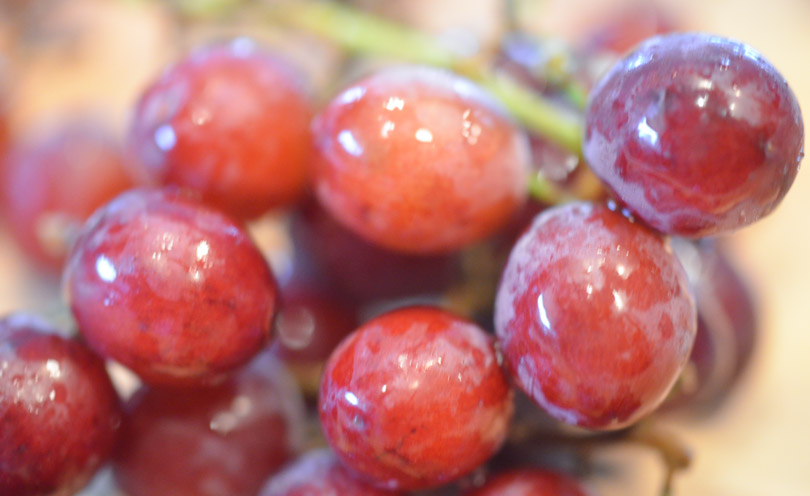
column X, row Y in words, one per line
column 92, row 57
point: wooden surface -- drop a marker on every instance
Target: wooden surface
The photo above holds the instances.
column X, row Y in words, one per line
column 757, row 445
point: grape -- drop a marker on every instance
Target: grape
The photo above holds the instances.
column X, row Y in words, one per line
column 171, row 289
column 224, row 440
column 419, row 161
column 4, row 128
column 51, row 186
column 318, row 473
column 530, row 482
column 415, row 399
column 696, row 134
column 727, row 326
column 309, row 326
column 361, row 271
column 59, row 414
column 594, row 315
column 231, row 122
column 628, row 27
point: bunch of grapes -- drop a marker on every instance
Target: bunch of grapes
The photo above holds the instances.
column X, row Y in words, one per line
column 474, row 270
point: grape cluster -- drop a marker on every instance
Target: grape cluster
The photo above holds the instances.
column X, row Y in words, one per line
column 425, row 283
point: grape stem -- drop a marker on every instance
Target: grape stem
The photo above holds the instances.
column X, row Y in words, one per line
column 675, row 455
column 511, row 11
column 360, row 32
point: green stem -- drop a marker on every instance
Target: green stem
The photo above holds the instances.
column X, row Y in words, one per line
column 545, row 191
column 534, row 111
column 576, row 93
column 206, row 9
column 363, row 33
column 512, row 14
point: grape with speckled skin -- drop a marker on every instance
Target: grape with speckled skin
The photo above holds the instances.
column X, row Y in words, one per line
column 59, row 413
column 414, row 399
column 696, row 134
column 595, row 316
column 170, row 288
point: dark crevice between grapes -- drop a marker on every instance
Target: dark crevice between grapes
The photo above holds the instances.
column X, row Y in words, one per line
column 530, row 442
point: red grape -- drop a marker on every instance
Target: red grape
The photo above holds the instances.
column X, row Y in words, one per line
column 231, row 122
column 727, row 325
column 4, row 128
column 220, row 441
column 595, row 316
column 414, row 399
column 696, row 134
column 51, row 186
column 530, row 482
column 4, row 100
column 362, row 271
column 628, row 27
column 59, row 413
column 319, row 474
column 419, row 160
column 309, row 326
column 170, row 288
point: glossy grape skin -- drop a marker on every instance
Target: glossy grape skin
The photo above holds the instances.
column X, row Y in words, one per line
column 230, row 121
column 319, row 473
column 530, row 482
column 219, row 441
column 728, row 326
column 696, row 134
column 361, row 271
column 415, row 399
column 51, row 185
column 419, row 161
column 594, row 315
column 172, row 289
column 59, row 413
